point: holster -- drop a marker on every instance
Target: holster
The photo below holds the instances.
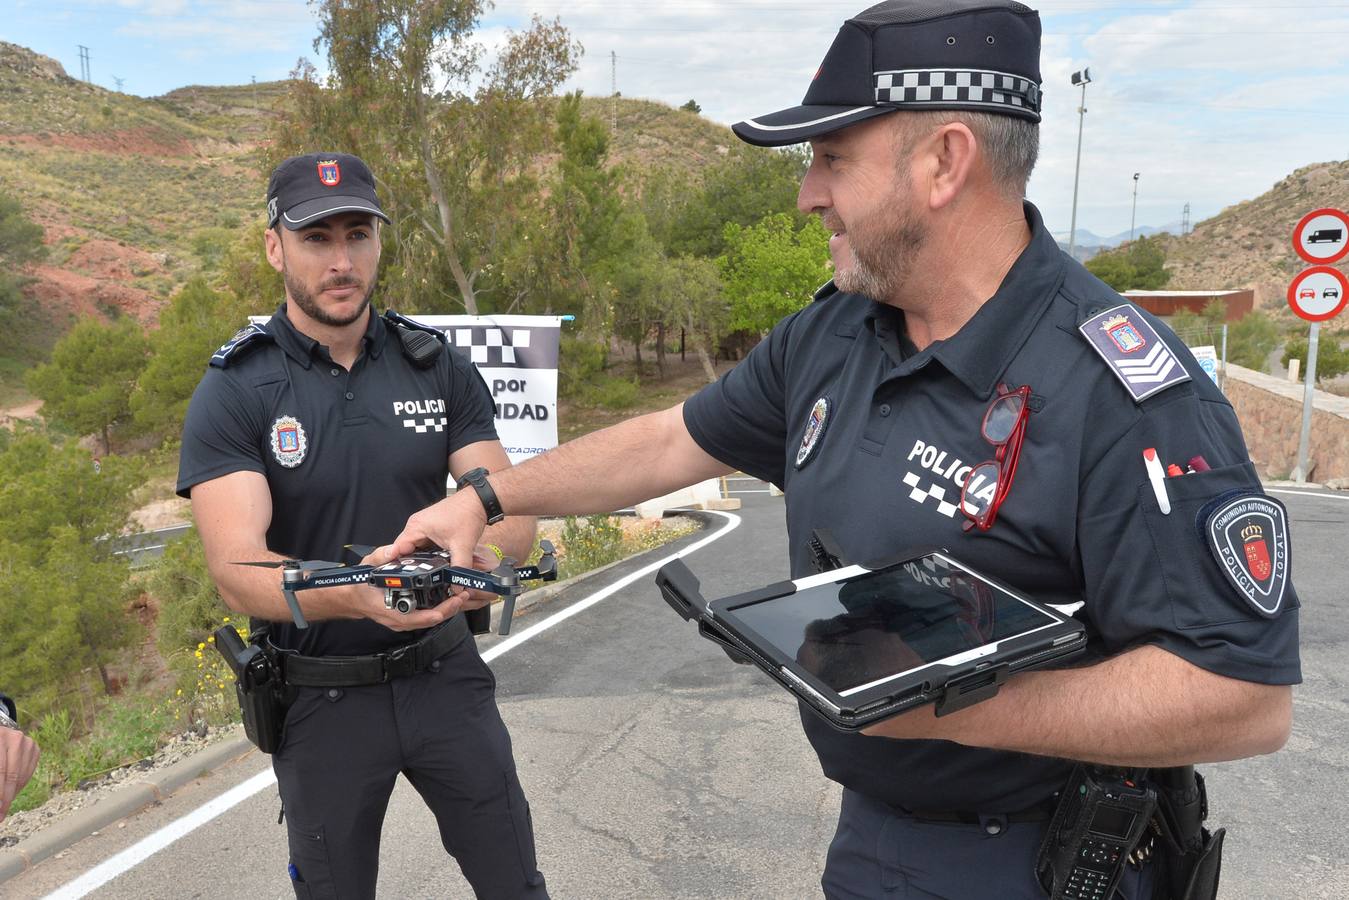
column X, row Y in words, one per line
column 263, row 695
column 1188, row 857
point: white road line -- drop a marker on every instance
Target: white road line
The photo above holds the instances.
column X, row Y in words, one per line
column 732, row 523
column 137, row 853
column 145, row 848
column 1312, row 493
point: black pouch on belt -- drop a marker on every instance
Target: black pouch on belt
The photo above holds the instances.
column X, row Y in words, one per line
column 262, row 694
column 1189, row 855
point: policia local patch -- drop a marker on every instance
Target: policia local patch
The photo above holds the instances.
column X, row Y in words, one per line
column 1249, row 538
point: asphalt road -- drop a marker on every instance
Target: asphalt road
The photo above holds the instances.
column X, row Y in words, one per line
column 656, row 768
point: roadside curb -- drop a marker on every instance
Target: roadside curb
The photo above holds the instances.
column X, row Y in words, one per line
column 126, row 800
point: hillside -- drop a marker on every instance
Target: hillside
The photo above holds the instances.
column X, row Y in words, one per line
column 1249, row 244
column 133, row 192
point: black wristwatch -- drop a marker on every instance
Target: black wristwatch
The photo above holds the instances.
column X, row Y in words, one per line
column 490, row 505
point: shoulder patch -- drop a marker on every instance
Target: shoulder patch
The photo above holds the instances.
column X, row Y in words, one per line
column 1248, row 535
column 244, row 340
column 825, row 291
column 1134, row 351
column 397, row 319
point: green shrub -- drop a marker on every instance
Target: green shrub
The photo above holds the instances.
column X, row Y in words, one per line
column 610, row 393
column 588, row 544
column 580, row 362
column 1331, row 359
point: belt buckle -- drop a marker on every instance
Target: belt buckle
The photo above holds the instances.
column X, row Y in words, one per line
column 400, row 662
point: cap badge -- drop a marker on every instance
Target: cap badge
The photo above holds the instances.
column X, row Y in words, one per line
column 329, row 173
column 289, row 442
column 815, row 425
column 1249, row 538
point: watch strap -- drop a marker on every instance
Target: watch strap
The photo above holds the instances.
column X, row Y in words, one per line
column 477, row 479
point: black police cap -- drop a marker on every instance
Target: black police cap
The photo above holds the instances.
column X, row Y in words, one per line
column 976, row 55
column 304, row 189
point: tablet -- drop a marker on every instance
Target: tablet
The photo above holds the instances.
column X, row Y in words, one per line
column 866, row 642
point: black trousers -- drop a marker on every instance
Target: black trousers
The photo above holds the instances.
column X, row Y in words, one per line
column 879, row 853
column 344, row 747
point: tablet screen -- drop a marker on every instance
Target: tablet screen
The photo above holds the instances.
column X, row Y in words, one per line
column 862, row 631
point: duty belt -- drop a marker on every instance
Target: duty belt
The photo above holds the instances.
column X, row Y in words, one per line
column 1041, row 812
column 352, row 671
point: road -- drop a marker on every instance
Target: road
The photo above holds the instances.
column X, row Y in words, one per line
column 656, row 768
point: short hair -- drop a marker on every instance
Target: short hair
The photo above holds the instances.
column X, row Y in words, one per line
column 1009, row 144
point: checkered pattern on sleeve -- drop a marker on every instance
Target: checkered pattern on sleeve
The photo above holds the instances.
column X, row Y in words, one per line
column 976, row 87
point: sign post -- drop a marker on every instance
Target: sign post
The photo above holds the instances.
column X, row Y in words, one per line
column 1317, row 294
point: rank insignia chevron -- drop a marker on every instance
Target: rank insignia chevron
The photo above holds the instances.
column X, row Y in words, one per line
column 1137, row 355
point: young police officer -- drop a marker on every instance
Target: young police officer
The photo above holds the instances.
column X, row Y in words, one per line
column 329, row 426
column 956, row 332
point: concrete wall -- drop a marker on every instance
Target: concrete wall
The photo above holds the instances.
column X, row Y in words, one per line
column 1270, row 410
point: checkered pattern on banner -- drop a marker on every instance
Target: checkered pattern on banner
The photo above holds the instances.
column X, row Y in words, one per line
column 505, row 346
column 976, row 86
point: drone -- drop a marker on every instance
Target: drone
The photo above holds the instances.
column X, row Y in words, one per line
column 416, row 581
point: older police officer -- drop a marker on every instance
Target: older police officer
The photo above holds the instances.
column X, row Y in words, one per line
column 962, row 382
column 297, row 442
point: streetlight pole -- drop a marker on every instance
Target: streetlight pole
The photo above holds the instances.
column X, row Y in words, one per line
column 1134, row 213
column 1082, row 78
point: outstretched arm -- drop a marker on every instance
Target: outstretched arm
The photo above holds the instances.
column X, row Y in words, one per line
column 606, row 470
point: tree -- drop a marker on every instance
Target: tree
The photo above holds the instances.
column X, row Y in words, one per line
column 696, row 299
column 20, row 244
column 63, row 589
column 771, row 269
column 196, row 322
column 692, row 106
column 87, row 386
column 452, row 144
column 749, row 184
column 1139, row 265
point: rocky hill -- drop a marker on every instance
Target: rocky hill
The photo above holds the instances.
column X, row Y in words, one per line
column 1249, row 245
column 134, row 192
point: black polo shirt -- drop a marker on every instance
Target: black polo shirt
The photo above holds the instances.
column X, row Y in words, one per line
column 348, row 455
column 1080, row 524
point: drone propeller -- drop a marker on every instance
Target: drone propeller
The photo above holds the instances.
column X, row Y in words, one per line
column 361, row 550
column 306, row 564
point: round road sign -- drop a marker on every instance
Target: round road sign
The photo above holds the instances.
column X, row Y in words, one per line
column 1322, row 237
column 1318, row 293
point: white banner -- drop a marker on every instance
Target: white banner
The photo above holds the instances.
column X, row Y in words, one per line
column 517, row 356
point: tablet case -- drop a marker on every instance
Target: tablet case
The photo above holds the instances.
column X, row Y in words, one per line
column 951, row 688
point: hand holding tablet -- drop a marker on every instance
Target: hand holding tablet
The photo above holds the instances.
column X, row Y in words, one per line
column 866, row 642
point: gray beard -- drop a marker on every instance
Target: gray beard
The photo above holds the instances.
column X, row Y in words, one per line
column 882, row 263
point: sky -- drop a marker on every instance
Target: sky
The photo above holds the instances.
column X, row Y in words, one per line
column 1211, row 102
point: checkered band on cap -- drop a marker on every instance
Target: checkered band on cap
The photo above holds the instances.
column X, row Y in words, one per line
column 997, row 91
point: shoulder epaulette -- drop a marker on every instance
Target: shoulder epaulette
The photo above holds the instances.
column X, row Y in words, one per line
column 245, row 339
column 404, row 321
column 1134, row 351
column 825, row 291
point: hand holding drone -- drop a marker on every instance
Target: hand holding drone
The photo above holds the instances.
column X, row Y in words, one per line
column 419, row 580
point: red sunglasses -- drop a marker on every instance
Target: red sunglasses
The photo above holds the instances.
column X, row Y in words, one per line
column 1004, row 427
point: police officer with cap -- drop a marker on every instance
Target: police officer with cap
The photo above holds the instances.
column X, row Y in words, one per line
column 963, row 382
column 328, row 426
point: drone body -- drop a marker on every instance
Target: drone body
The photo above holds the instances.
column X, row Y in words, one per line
column 417, row 581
